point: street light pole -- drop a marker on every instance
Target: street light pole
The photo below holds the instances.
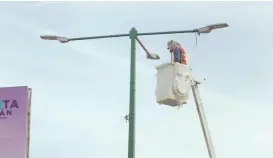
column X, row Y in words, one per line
column 131, row 117
column 133, row 36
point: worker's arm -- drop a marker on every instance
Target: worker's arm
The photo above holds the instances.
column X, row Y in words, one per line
column 177, row 55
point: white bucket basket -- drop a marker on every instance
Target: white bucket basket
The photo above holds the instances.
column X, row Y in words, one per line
column 173, row 84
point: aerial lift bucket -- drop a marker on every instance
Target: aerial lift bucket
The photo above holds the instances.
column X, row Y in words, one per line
column 173, row 84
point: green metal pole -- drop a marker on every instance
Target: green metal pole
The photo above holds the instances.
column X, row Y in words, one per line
column 131, row 141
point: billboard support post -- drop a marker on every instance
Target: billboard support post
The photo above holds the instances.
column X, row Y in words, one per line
column 28, row 121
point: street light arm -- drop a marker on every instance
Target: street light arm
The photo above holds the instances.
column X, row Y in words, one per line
column 144, row 48
column 98, row 37
column 139, row 34
column 167, row 32
column 206, row 29
column 149, row 55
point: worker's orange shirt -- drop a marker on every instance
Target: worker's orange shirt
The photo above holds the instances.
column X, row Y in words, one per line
column 179, row 55
column 183, row 56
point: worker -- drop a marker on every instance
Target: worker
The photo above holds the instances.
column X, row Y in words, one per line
column 178, row 52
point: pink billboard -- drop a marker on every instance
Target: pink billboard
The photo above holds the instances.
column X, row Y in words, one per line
column 13, row 122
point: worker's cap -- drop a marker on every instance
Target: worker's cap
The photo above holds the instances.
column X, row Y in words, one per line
column 172, row 42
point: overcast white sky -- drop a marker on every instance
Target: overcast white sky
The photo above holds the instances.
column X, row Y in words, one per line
column 81, row 89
